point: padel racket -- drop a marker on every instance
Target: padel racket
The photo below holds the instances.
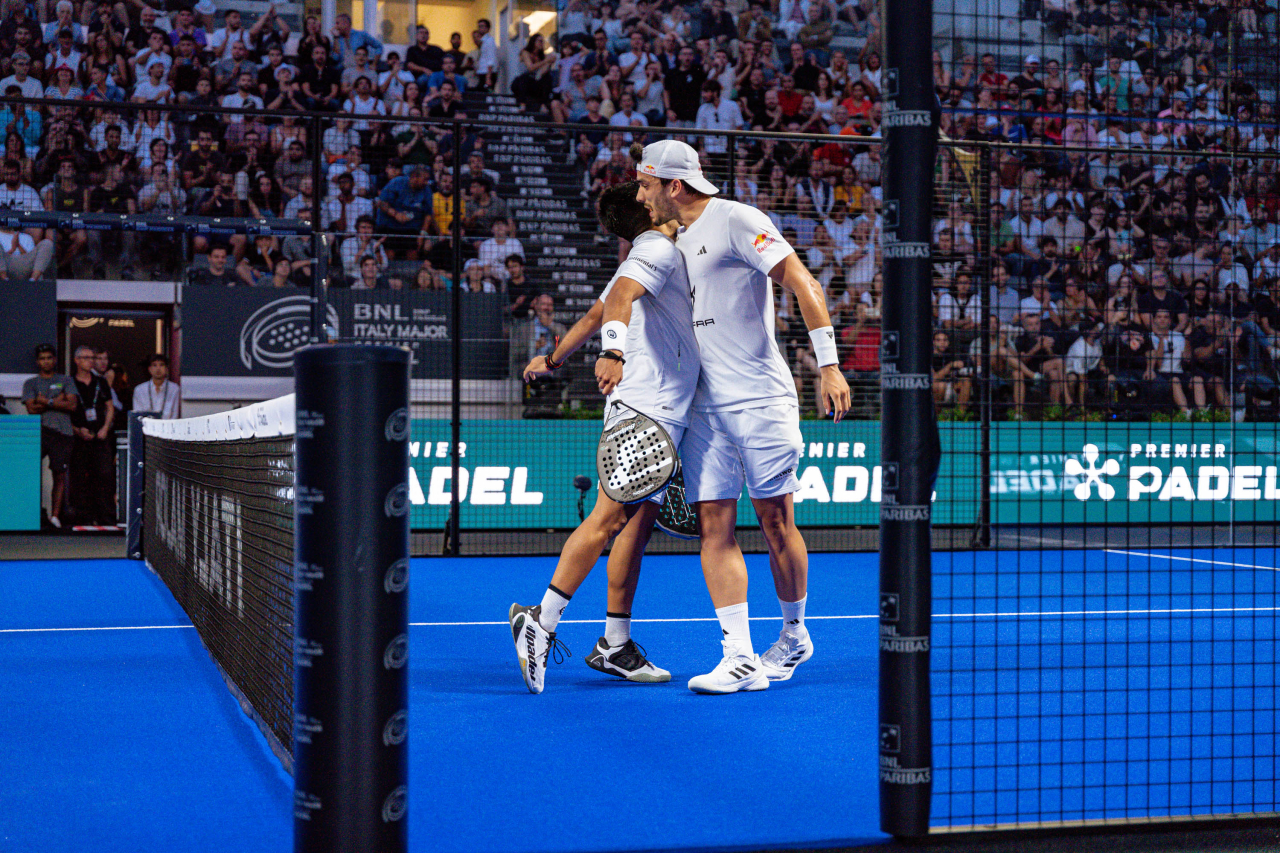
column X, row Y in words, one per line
column 635, row 458
column 676, row 518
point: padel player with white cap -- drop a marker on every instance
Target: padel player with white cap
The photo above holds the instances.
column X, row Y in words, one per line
column 645, row 321
column 745, row 426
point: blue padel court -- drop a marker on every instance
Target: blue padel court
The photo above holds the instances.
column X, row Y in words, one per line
column 1067, row 686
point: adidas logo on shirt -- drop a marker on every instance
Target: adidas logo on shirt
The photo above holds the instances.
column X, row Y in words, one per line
column 702, row 251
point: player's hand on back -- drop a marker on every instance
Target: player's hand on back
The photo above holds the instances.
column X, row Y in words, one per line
column 835, row 392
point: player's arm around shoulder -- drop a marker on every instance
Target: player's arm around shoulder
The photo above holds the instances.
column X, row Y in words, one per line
column 792, row 274
column 586, row 326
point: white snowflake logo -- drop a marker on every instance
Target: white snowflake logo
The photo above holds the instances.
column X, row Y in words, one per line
column 1092, row 474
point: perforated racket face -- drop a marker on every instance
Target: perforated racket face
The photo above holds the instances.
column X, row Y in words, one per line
column 676, row 518
column 634, row 459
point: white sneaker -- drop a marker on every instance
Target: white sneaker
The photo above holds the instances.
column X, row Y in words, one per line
column 735, row 672
column 784, row 656
column 533, row 644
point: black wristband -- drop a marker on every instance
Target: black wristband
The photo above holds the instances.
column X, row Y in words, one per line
column 611, row 355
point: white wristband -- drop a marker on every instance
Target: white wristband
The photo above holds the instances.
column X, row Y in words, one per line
column 824, row 345
column 613, row 335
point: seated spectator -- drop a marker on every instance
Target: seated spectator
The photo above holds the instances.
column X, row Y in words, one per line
column 185, row 24
column 28, row 86
column 338, row 139
column 532, row 87
column 245, row 97
column 952, row 376
column 521, row 291
column 483, row 206
column 1168, row 349
column 362, row 243
column 364, row 103
column 21, row 257
column 221, row 203
column 220, row 41
column 218, row 273
column 493, row 253
column 343, row 209
column 321, row 85
column 423, row 58
column 536, row 333
column 374, row 277
column 360, row 67
column 303, row 201
column 228, row 70
column 266, row 199
column 404, row 206
column 259, row 263
column 392, row 83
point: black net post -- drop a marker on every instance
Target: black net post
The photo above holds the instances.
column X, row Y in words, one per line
column 454, row 523
column 134, row 483
column 909, row 441
column 351, row 613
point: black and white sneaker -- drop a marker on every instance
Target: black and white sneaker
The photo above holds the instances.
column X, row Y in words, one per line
column 626, row 661
column 533, row 645
column 784, row 656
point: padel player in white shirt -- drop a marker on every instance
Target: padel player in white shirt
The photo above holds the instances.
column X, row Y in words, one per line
column 745, row 426
column 645, row 321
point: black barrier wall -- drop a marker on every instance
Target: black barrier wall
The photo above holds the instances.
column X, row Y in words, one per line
column 351, row 611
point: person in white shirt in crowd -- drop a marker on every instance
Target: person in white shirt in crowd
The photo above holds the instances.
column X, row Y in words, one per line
column 15, row 195
column 1169, row 344
column 245, row 97
column 220, row 41
column 494, row 251
column 363, row 102
column 361, row 244
column 21, row 257
column 633, row 62
column 362, row 67
column 21, row 77
column 1084, row 365
column 627, row 115
column 487, row 62
column 717, row 113
column 745, row 429
column 391, row 82
column 351, row 164
column 157, row 50
column 159, row 393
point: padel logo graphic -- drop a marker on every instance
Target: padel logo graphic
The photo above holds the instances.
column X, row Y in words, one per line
column 1092, row 474
column 269, row 337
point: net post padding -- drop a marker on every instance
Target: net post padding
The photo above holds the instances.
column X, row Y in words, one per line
column 351, row 571
column 910, row 449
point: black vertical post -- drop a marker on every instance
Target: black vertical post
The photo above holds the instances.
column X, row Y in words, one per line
column 455, row 342
column 319, row 266
column 909, row 444
column 351, row 572
column 134, row 483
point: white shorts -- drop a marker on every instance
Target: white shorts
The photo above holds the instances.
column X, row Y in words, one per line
column 616, row 414
column 759, row 447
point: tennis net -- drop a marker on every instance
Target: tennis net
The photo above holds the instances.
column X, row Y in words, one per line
column 218, row 529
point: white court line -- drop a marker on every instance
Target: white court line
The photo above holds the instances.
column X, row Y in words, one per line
column 1189, row 559
column 101, row 628
column 1010, row 614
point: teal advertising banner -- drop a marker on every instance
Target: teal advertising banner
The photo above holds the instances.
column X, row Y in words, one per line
column 20, row 462
column 519, row 474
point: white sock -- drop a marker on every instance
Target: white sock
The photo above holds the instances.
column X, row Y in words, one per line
column 617, row 628
column 553, row 604
column 736, row 628
column 793, row 615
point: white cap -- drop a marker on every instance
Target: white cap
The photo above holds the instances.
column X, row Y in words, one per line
column 1031, row 59
column 673, row 159
column 206, row 7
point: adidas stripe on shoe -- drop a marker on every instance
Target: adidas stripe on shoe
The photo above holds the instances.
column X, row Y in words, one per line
column 626, row 661
column 791, row 650
column 734, row 673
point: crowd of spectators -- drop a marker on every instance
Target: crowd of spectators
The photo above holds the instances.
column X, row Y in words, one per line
column 1129, row 239
column 1124, row 232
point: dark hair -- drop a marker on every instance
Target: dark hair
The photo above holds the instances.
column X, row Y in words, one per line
column 160, row 357
column 519, row 259
column 41, row 349
column 621, row 214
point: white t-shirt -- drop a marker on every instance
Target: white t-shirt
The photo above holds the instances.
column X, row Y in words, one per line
column 23, row 198
column 1175, row 345
column 25, row 242
column 729, row 251
column 662, row 354
column 165, row 400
